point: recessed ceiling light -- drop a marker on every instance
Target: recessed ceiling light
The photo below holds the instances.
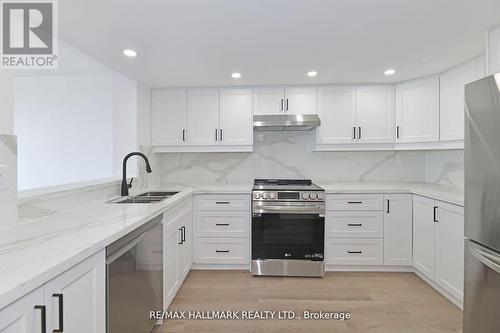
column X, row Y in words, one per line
column 236, row 75
column 312, row 73
column 390, row 72
column 129, row 53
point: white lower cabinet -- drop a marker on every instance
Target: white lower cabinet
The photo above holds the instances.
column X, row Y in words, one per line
column 355, row 251
column 222, row 229
column 398, row 229
column 74, row 301
column 178, row 249
column 439, row 244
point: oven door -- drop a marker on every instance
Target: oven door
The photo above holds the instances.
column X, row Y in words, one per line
column 288, row 233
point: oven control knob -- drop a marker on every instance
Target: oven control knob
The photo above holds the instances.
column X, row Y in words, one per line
column 256, row 195
column 305, row 196
column 319, row 196
column 312, row 196
column 264, row 195
column 272, row 196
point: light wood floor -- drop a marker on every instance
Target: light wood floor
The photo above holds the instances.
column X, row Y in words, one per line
column 378, row 302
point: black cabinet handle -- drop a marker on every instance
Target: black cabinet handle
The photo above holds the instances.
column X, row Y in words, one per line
column 397, row 132
column 180, row 242
column 287, row 104
column 216, row 134
column 43, row 312
column 359, row 132
column 222, row 224
column 435, row 214
column 282, row 104
column 354, row 224
column 61, row 315
column 183, row 228
column 354, row 252
column 222, row 202
column 354, row 133
column 354, row 202
column 221, row 137
column 184, row 135
column 388, row 206
column 221, row 251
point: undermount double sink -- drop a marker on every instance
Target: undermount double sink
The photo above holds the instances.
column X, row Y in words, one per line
column 144, row 198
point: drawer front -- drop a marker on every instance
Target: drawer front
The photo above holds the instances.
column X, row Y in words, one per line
column 355, row 202
column 222, row 251
column 355, row 251
column 354, row 224
column 222, row 223
column 222, row 202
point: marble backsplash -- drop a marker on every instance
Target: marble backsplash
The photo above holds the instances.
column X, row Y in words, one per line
column 289, row 154
column 8, row 195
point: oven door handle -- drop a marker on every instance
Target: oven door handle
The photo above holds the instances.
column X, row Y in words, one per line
column 289, row 209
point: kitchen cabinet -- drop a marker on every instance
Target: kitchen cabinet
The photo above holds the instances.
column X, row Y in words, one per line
column 353, row 115
column 169, row 117
column 438, row 243
column 417, row 110
column 450, row 249
column 355, row 251
column 493, row 51
column 24, row 315
column 203, row 117
column 375, row 113
column 178, row 249
column 279, row 100
column 424, row 235
column 398, row 233
column 452, row 98
column 74, row 301
column 337, row 112
column 236, row 126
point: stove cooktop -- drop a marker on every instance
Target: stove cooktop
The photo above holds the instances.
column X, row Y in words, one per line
column 285, row 184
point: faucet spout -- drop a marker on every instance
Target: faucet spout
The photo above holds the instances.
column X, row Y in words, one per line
column 125, row 186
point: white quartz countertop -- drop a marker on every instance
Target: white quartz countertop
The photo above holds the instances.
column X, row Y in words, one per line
column 32, row 253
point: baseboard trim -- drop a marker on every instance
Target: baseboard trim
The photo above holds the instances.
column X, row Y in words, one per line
column 245, row 267
column 347, row 268
column 443, row 292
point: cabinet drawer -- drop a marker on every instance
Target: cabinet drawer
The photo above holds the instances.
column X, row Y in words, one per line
column 222, row 251
column 222, row 202
column 355, row 202
column 222, row 224
column 354, row 251
column 354, row 224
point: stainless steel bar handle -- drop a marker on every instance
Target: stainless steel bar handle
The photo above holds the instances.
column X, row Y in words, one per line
column 60, row 329
column 289, row 209
column 43, row 313
column 490, row 260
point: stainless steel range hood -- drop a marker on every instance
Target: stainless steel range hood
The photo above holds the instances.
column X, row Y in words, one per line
column 292, row 122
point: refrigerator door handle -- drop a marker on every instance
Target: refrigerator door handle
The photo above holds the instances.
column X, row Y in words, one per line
column 490, row 260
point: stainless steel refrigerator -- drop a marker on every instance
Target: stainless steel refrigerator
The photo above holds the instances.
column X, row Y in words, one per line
column 482, row 206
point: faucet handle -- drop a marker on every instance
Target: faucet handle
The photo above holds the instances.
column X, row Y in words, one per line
column 130, row 184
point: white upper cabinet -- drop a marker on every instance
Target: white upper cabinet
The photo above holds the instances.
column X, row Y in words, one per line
column 268, row 101
column 168, row 117
column 452, row 99
column 203, row 117
column 375, row 114
column 337, row 112
column 300, row 101
column 417, row 110
column 236, row 126
column 493, row 51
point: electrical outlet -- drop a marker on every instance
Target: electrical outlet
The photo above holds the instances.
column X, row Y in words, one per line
column 4, row 177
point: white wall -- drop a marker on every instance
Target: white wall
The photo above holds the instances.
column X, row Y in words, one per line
column 493, row 51
column 6, row 102
column 64, row 126
column 144, row 115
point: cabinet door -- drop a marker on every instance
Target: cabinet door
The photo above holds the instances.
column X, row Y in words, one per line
column 300, row 100
column 450, row 249
column 398, row 233
column 81, row 293
column 493, row 51
column 417, row 111
column 375, row 114
column 171, row 242
column 236, row 123
column 452, row 101
column 423, row 235
column 22, row 316
column 202, row 117
column 186, row 248
column 337, row 111
column 268, row 101
column 169, row 117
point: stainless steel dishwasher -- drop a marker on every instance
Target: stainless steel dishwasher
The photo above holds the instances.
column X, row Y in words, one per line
column 134, row 271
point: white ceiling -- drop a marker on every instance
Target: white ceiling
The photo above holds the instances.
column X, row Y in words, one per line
column 201, row 42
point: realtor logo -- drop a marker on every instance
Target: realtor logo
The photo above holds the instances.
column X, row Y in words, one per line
column 29, row 34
